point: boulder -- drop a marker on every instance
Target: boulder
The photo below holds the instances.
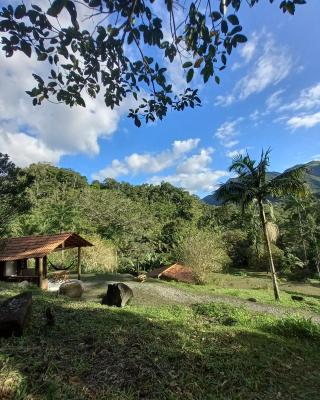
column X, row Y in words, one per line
column 118, row 294
column 14, row 313
column 72, row 288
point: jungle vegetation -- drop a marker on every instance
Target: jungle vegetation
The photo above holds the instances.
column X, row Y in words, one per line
column 141, row 227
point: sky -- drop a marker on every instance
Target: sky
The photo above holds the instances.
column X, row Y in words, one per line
column 269, row 96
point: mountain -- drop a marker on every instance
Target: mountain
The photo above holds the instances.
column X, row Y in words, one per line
column 312, row 178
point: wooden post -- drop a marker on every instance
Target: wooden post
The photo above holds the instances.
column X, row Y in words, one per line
column 45, row 267
column 40, row 260
column 79, row 263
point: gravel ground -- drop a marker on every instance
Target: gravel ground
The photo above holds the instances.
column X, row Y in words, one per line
column 156, row 292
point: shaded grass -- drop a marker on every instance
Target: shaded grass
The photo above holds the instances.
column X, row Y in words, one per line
column 156, row 352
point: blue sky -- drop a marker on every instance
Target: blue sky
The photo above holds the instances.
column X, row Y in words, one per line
column 269, row 96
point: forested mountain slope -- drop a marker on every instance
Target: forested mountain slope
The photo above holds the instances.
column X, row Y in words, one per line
column 312, row 177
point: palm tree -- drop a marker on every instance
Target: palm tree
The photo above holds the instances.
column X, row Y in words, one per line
column 254, row 185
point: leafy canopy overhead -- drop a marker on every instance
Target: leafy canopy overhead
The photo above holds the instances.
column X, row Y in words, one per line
column 113, row 46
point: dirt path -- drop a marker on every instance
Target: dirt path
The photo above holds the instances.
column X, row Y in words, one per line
column 157, row 292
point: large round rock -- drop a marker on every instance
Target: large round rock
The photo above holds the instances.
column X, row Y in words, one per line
column 118, row 294
column 72, row 288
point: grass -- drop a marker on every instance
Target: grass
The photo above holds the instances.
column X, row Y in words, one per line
column 207, row 351
column 259, row 286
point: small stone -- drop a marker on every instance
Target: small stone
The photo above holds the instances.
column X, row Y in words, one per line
column 229, row 321
column 118, row 294
column 72, row 288
column 252, row 299
column 297, row 298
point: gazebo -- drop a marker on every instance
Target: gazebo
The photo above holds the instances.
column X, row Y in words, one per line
column 15, row 253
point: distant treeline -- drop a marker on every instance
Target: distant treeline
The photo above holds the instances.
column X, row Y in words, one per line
column 151, row 225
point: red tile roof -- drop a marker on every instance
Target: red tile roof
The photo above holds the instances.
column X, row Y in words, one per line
column 174, row 272
column 19, row 248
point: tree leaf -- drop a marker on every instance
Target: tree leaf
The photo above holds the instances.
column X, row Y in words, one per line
column 198, row 62
column 56, row 7
column 26, row 48
column 224, row 26
column 187, row 64
column 20, row 11
column 240, row 38
column 233, row 19
column 190, row 75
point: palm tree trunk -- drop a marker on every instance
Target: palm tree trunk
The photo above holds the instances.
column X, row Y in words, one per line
column 266, row 236
column 303, row 238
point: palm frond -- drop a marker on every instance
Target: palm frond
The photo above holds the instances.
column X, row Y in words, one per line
column 290, row 182
column 242, row 165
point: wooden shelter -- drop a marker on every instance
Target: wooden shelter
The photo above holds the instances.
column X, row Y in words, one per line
column 175, row 272
column 15, row 253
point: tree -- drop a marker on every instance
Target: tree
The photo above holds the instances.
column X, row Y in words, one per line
column 117, row 46
column 13, row 185
column 253, row 185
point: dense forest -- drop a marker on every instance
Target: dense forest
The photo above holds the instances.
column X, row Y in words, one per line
column 141, row 227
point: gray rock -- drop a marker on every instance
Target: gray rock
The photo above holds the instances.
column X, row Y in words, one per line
column 72, row 288
column 14, row 314
column 118, row 294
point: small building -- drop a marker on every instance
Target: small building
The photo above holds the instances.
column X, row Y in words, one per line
column 175, row 272
column 16, row 252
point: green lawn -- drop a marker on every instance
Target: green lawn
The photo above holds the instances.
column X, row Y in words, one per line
column 206, row 351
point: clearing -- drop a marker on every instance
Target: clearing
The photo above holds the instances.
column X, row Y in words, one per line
column 173, row 341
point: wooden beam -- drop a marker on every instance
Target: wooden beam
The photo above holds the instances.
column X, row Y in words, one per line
column 79, row 263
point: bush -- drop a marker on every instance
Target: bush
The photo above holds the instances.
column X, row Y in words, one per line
column 204, row 252
column 102, row 257
column 237, row 245
column 258, row 258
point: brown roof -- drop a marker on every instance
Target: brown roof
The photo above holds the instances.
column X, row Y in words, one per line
column 19, row 248
column 176, row 272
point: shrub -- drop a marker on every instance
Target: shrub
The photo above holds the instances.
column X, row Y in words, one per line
column 258, row 258
column 102, row 257
column 237, row 244
column 204, row 252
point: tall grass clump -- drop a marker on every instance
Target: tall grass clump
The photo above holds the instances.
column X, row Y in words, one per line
column 205, row 253
column 294, row 326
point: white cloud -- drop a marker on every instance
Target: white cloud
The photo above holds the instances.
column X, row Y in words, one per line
column 271, row 67
column 235, row 153
column 24, row 149
column 274, row 100
column 196, row 163
column 227, row 131
column 205, row 182
column 247, row 51
column 147, row 162
column 308, row 99
column 304, row 121
column 58, row 128
column 316, row 157
column 224, row 100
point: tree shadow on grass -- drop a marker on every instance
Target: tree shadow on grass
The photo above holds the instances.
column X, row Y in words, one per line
column 96, row 352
